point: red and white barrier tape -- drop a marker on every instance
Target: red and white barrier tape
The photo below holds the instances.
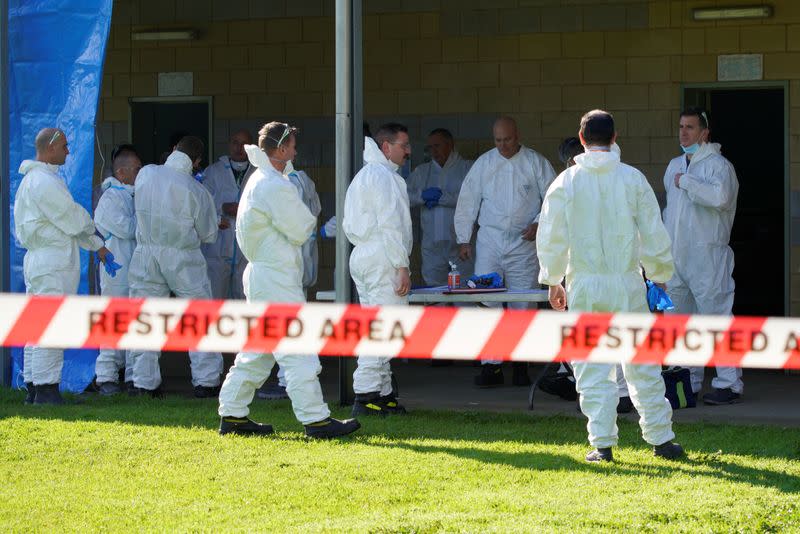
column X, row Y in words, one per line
column 406, row 331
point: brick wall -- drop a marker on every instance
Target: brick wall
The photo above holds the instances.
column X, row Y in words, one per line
column 452, row 63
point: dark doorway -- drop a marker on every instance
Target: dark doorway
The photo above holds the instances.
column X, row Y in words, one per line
column 157, row 125
column 749, row 124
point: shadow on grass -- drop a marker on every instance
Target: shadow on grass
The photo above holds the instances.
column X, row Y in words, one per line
column 478, row 432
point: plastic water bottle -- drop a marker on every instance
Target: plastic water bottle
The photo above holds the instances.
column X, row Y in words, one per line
column 453, row 277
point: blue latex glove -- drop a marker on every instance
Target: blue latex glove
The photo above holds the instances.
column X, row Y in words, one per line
column 430, row 204
column 110, row 265
column 432, row 194
column 485, row 281
column 657, row 298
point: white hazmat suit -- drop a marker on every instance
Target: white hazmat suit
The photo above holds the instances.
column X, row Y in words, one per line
column 699, row 217
column 115, row 219
column 308, row 194
column 224, row 257
column 272, row 224
column 599, row 221
column 377, row 222
column 174, row 215
column 505, row 196
column 439, row 243
column 52, row 227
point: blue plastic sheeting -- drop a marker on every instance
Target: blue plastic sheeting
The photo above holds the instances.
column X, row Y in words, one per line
column 56, row 53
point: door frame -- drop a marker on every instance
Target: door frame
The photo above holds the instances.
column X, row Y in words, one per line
column 178, row 100
column 787, row 215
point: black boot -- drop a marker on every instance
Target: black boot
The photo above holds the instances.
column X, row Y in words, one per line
column 331, row 428
column 624, row 405
column 48, row 394
column 491, row 376
column 520, row 374
column 601, row 454
column 30, row 394
column 243, row 426
column 206, row 392
column 370, row 404
column 142, row 392
column 668, row 450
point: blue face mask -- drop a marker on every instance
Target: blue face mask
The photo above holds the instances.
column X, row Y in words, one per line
column 691, row 149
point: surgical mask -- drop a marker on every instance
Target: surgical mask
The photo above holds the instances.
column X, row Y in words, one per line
column 239, row 165
column 691, row 149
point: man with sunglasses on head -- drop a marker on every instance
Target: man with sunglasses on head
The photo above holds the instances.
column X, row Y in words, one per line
column 377, row 222
column 702, row 189
column 272, row 223
column 52, row 227
column 115, row 219
column 174, row 215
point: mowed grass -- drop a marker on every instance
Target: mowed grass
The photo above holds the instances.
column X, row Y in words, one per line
column 136, row 464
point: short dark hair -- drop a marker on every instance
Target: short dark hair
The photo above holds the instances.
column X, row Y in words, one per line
column 273, row 134
column 597, row 128
column 700, row 113
column 568, row 149
column 192, row 146
column 122, row 149
column 444, row 132
column 388, row 132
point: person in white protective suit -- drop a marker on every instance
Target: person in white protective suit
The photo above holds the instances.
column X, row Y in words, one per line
column 503, row 191
column 377, row 221
column 599, row 222
column 225, row 180
column 434, row 188
column 310, row 249
column 702, row 190
column 52, row 227
column 115, row 219
column 271, row 226
column 174, row 215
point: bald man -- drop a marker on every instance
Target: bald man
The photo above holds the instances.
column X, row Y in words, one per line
column 52, row 227
column 225, row 180
column 503, row 192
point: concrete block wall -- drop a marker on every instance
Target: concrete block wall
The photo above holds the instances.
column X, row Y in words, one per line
column 453, row 63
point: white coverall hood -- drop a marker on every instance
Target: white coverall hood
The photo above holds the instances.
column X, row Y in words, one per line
column 600, row 221
column 111, row 181
column 373, row 154
column 180, row 162
column 29, row 164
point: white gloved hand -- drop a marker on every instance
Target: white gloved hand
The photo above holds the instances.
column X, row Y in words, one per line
column 329, row 228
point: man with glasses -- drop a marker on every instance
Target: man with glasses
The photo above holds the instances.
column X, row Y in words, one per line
column 52, row 227
column 503, row 192
column 377, row 222
column 115, row 219
column 225, row 180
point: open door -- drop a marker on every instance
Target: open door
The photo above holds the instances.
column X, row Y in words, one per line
column 749, row 124
column 158, row 123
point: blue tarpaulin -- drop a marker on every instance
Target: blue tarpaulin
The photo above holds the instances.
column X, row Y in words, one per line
column 56, row 53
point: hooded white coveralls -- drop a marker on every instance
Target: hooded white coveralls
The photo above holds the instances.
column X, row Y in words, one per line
column 223, row 256
column 505, row 196
column 699, row 217
column 52, row 227
column 439, row 244
column 377, row 221
column 308, row 194
column 599, row 221
column 272, row 224
column 174, row 215
column 115, row 219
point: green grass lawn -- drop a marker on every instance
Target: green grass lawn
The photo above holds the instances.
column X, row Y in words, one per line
column 138, row 464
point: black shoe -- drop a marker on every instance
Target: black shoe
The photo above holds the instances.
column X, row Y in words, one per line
column 128, row 385
column 392, row 407
column 374, row 404
column 243, row 426
column 625, row 405
column 48, row 394
column 206, row 392
column 272, row 391
column 331, row 428
column 560, row 385
column 600, row 455
column 668, row 450
column 30, row 393
column 719, row 397
column 142, row 392
column 108, row 389
column 520, row 374
column 491, row 376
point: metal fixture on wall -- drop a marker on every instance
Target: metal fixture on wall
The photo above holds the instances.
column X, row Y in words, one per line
column 734, row 12
column 167, row 35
